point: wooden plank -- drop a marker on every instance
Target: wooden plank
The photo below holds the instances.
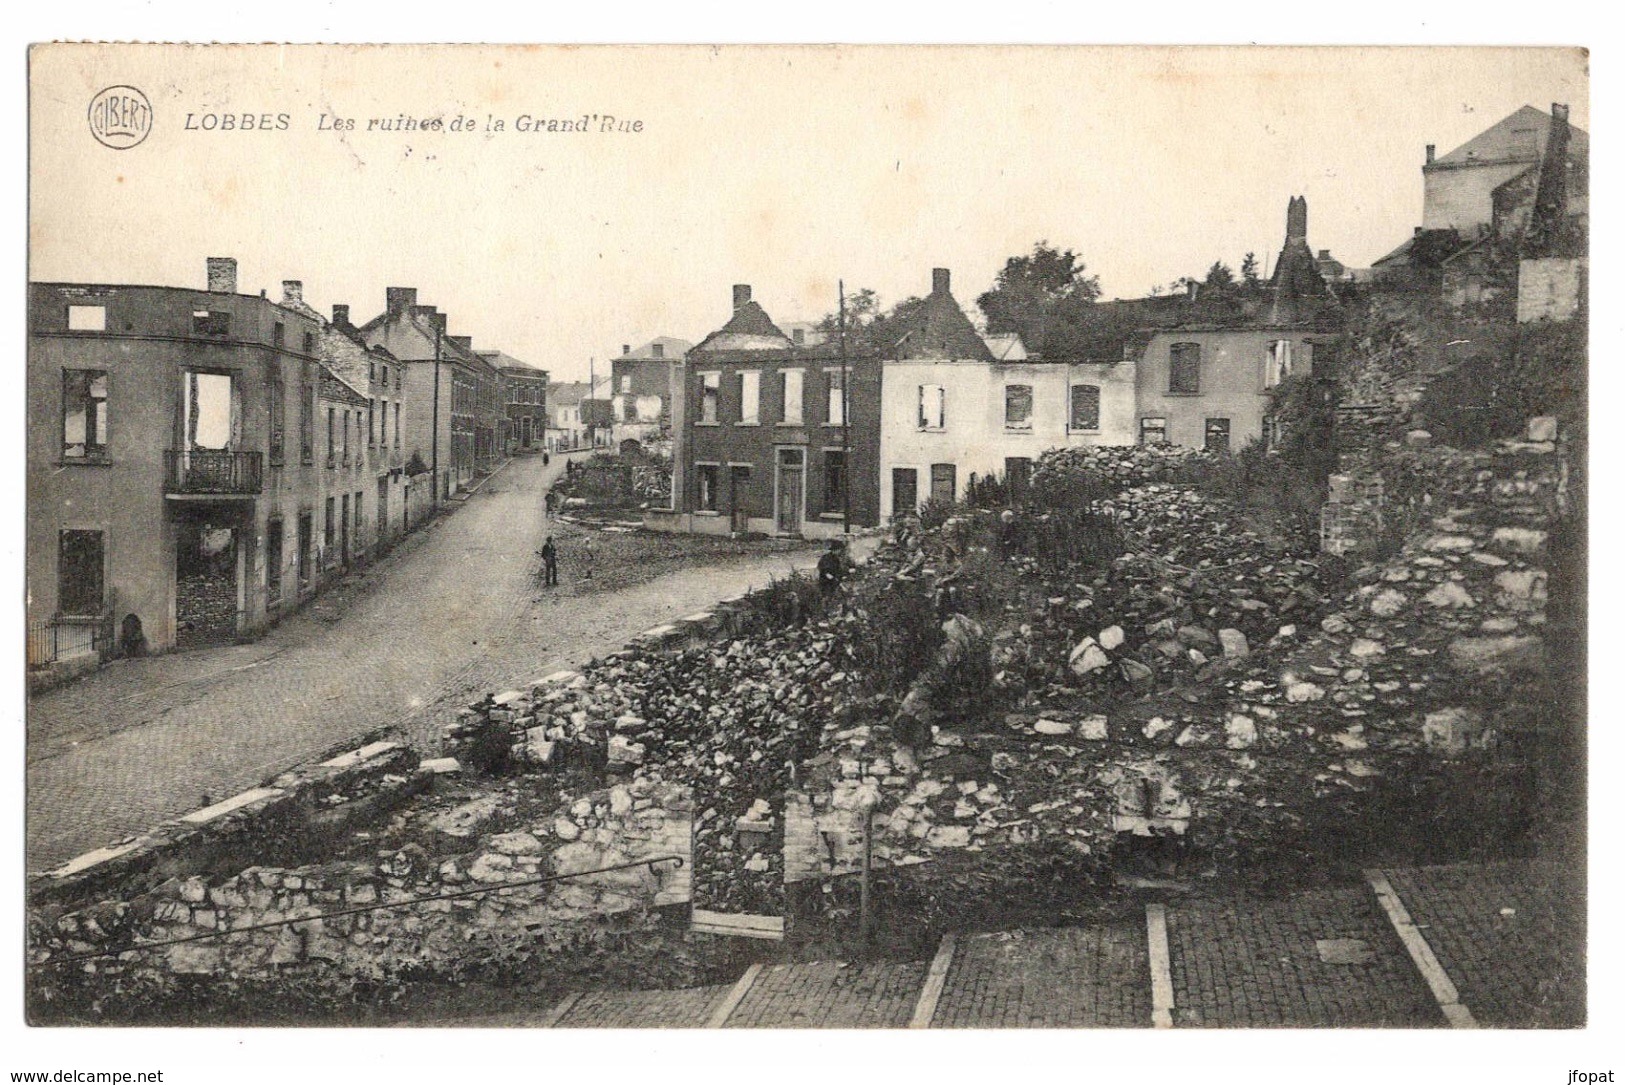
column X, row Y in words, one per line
column 736, row 995
column 935, row 977
column 1438, row 981
column 556, row 1014
column 1162, row 974
column 747, row 926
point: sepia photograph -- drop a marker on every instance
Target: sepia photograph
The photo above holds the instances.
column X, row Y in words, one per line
column 862, row 537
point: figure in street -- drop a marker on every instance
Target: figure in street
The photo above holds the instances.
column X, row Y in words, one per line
column 832, row 567
column 586, row 557
column 550, row 563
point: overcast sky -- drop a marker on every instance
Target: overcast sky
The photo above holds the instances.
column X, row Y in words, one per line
column 785, row 168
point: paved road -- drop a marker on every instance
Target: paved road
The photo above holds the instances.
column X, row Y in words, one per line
column 454, row 612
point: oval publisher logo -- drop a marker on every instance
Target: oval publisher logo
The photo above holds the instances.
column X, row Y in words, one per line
column 120, row 117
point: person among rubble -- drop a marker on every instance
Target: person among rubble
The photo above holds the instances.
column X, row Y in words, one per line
column 832, row 567
column 586, row 557
column 963, row 657
column 550, row 564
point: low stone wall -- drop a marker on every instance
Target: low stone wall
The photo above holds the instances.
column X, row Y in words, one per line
column 329, row 794
column 611, row 827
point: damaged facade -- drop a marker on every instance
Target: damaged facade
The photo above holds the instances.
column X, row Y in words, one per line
column 194, row 464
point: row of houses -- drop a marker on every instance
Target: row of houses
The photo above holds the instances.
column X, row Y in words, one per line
column 201, row 461
column 782, row 432
column 790, row 438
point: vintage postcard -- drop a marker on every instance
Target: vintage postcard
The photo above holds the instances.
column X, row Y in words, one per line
column 827, row 537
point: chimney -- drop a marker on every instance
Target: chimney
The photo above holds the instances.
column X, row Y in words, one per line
column 741, row 295
column 464, row 341
column 1431, row 150
column 1191, row 288
column 341, row 315
column 1297, row 218
column 1560, row 111
column 626, row 348
column 400, row 300
column 292, row 290
column 1325, row 254
column 222, row 275
column 939, row 280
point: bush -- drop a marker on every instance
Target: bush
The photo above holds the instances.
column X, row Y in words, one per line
column 894, row 633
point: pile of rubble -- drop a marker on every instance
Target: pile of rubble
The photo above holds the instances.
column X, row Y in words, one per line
column 1194, row 591
column 1117, row 467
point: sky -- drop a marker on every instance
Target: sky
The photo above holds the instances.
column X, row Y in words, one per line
column 787, row 168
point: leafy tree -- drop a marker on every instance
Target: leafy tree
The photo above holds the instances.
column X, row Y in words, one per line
column 1046, row 297
column 1220, row 277
column 869, row 330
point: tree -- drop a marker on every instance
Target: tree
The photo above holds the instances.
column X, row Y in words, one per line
column 868, row 329
column 1043, row 296
column 1249, row 272
column 1220, row 277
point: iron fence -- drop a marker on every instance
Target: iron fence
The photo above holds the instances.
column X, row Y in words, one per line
column 52, row 640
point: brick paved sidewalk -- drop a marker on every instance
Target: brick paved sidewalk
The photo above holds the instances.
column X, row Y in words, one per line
column 1328, row 958
column 1318, row 959
column 1511, row 937
column 686, row 1008
column 1068, row 977
column 831, row 995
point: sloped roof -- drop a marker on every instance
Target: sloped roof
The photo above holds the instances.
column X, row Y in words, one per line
column 1509, row 140
column 672, row 349
column 1006, row 347
column 937, row 328
column 508, row 361
column 750, row 328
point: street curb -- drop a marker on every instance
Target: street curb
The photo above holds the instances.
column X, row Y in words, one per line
column 1438, row 981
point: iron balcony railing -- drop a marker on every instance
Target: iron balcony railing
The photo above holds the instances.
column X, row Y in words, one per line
column 212, row 471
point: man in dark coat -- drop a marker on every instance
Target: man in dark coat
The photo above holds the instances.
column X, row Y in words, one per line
column 832, row 567
column 550, row 564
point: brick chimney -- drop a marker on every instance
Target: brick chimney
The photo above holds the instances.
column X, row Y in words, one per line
column 341, row 315
column 400, row 300
column 741, row 295
column 292, row 291
column 939, row 280
column 1297, row 218
column 222, row 275
column 1560, row 111
column 1431, row 150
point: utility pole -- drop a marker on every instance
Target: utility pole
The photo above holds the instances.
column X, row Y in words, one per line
column 846, row 421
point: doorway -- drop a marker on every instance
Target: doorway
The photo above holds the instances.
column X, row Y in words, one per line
column 905, row 491
column 344, row 530
column 738, row 487
column 789, row 495
column 206, row 566
column 273, row 564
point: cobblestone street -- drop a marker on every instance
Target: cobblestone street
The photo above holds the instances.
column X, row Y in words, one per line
column 454, row 612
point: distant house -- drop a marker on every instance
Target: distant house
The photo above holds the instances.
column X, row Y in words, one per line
column 772, row 438
column 957, row 405
column 1208, row 383
column 1503, row 215
column 1459, row 188
column 453, row 397
column 642, row 383
column 524, row 397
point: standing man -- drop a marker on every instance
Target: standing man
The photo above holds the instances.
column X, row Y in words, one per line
column 586, row 557
column 550, row 564
column 832, row 567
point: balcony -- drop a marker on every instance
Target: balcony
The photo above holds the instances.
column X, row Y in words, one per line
column 208, row 472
